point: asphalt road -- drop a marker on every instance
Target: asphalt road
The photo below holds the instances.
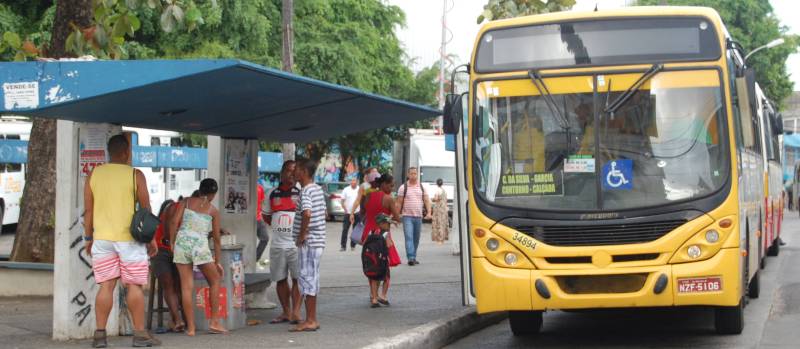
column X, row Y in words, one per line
column 771, row 321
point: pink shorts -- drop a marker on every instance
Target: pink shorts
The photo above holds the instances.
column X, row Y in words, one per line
column 120, row 259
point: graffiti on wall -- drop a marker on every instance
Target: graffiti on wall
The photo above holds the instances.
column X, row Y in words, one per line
column 81, row 302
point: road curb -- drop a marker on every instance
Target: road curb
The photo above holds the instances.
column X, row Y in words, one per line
column 438, row 333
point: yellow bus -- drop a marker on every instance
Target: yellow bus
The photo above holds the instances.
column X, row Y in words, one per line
column 771, row 127
column 614, row 160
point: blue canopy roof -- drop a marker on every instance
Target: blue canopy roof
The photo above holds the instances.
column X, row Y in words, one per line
column 228, row 98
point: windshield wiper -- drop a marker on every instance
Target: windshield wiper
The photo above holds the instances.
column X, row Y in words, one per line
column 624, row 97
column 537, row 80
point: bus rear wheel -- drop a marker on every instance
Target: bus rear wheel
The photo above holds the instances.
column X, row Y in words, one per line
column 525, row 323
column 754, row 287
column 775, row 249
column 729, row 320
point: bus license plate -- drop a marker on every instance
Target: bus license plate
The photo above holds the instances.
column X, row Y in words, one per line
column 706, row 284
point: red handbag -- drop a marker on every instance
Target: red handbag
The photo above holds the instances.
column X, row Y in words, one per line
column 394, row 257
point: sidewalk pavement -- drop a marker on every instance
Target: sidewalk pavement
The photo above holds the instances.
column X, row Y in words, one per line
column 419, row 294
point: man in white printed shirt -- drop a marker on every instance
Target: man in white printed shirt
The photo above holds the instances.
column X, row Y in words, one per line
column 349, row 196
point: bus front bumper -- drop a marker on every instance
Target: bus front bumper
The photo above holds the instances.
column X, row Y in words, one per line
column 502, row 289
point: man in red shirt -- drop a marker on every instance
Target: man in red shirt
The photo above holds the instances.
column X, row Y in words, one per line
column 279, row 213
column 262, row 231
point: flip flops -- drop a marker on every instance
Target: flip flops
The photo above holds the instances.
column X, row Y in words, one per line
column 279, row 320
column 306, row 329
column 216, row 331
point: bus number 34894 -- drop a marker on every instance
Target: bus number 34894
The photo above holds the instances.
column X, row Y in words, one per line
column 524, row 240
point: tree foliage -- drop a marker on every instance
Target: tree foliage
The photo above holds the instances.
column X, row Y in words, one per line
column 499, row 9
column 753, row 23
column 348, row 42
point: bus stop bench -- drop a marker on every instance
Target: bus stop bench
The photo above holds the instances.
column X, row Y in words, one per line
column 256, row 282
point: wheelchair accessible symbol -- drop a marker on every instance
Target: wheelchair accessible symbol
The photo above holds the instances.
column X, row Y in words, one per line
column 618, row 175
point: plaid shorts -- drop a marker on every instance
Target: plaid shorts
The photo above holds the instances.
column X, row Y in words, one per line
column 309, row 269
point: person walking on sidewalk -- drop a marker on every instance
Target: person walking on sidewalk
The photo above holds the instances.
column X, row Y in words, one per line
column 279, row 213
column 110, row 195
column 349, row 196
column 414, row 205
column 440, row 227
column 261, row 226
column 309, row 230
column 380, row 203
column 188, row 232
column 370, row 175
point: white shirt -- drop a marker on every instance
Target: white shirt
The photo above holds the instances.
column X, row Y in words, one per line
column 349, row 196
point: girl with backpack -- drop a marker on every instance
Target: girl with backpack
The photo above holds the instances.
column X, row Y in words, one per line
column 372, row 256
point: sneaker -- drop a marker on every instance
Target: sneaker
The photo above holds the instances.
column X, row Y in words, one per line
column 352, row 248
column 99, row 340
column 144, row 339
column 342, row 249
column 412, row 262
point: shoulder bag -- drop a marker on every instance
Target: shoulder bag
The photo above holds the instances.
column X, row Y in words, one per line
column 144, row 222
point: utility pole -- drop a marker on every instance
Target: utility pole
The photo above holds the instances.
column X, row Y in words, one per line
column 288, row 149
column 442, row 59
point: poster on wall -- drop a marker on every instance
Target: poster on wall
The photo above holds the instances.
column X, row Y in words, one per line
column 237, row 176
column 92, row 151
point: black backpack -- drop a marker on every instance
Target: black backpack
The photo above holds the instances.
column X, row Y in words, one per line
column 375, row 257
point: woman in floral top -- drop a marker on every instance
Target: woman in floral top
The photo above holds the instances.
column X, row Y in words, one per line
column 194, row 218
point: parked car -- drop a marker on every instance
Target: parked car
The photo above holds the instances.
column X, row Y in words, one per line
column 333, row 199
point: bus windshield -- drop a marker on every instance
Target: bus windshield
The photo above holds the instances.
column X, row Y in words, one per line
column 664, row 144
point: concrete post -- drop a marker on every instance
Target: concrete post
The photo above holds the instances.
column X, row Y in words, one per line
column 234, row 164
column 74, row 288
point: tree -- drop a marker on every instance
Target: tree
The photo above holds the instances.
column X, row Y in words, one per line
column 753, row 23
column 349, row 42
column 287, row 57
column 499, row 9
column 78, row 27
column 37, row 212
column 353, row 43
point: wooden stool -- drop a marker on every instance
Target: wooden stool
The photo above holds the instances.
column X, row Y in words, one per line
column 161, row 309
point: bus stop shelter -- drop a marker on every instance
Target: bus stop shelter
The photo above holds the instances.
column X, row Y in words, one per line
column 236, row 103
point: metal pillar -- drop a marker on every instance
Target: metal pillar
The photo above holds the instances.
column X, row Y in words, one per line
column 461, row 220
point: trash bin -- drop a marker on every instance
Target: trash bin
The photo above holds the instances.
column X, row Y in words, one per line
column 232, row 306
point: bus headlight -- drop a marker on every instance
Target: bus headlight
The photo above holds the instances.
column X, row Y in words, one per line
column 693, row 251
column 712, row 236
column 511, row 258
column 492, row 244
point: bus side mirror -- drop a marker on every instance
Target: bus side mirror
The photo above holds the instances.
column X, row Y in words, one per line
column 453, row 113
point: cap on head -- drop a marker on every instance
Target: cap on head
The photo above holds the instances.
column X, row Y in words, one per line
column 372, row 176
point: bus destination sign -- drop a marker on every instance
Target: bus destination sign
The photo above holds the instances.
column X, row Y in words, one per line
column 532, row 184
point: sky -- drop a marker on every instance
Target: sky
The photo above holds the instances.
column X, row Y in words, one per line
column 422, row 33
